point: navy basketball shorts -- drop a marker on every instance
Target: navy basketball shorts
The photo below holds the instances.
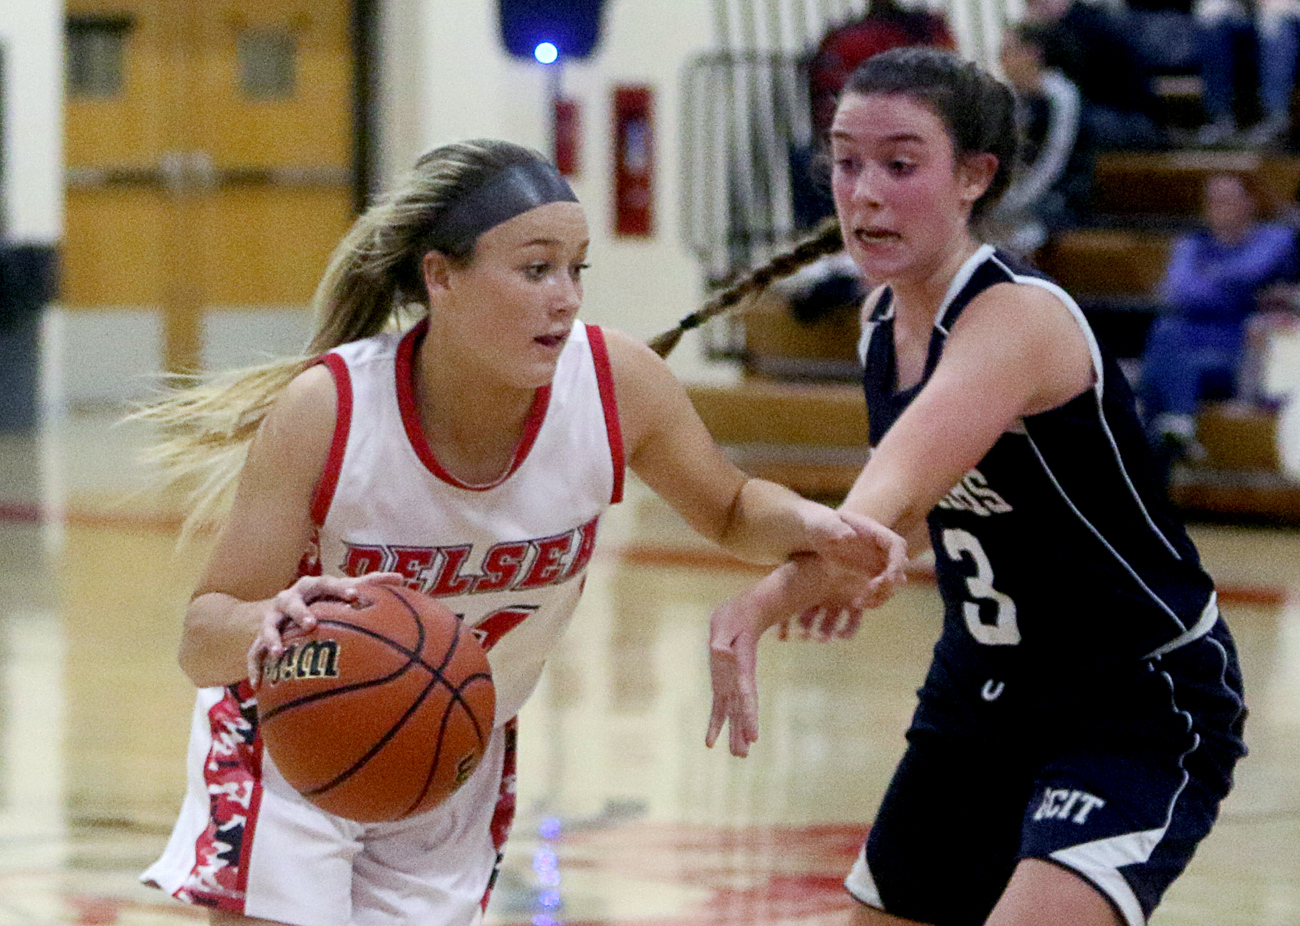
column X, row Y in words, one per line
column 1123, row 806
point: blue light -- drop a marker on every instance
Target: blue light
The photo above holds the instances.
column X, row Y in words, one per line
column 545, row 859
column 546, row 53
column 549, row 899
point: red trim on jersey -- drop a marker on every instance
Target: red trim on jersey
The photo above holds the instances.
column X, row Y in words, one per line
column 503, row 816
column 323, row 497
column 406, row 402
column 605, row 380
column 254, row 801
column 232, row 772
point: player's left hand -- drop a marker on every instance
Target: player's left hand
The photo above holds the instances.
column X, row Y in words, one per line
column 733, row 654
column 872, row 548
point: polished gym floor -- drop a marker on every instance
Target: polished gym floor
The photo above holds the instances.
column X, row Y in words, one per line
column 624, row 815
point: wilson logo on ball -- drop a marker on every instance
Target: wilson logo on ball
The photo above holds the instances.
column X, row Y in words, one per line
column 312, row 659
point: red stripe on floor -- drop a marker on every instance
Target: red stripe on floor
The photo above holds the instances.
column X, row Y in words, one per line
column 24, row 513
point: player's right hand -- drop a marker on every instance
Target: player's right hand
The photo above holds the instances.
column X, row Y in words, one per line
column 823, row 623
column 874, row 550
column 288, row 614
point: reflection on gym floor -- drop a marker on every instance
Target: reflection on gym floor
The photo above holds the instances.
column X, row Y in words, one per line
column 624, row 815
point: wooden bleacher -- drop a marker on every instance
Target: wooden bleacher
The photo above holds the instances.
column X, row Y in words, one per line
column 797, row 416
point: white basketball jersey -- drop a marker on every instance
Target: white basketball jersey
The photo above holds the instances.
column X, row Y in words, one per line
column 509, row 557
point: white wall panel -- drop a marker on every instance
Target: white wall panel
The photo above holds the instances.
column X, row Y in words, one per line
column 32, row 39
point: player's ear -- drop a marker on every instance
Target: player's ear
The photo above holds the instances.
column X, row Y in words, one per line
column 436, row 270
column 975, row 172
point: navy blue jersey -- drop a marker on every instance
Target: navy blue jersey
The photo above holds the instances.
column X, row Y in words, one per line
column 1058, row 559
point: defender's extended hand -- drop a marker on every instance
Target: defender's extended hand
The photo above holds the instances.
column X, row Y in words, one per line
column 733, row 651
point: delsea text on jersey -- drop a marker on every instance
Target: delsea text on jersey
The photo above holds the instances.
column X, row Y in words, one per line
column 510, row 565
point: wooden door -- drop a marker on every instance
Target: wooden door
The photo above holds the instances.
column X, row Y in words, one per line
column 209, row 150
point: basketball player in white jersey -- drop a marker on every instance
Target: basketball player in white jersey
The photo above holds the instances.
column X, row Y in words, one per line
column 1082, row 714
column 469, row 456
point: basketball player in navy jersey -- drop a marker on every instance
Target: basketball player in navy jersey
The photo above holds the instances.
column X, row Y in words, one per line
column 1082, row 715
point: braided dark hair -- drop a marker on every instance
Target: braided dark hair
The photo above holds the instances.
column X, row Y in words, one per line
column 978, row 111
column 824, row 241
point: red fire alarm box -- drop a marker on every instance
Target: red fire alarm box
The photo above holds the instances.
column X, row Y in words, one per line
column 568, row 135
column 633, row 161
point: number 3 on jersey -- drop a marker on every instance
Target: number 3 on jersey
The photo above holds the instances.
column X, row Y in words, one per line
column 1004, row 631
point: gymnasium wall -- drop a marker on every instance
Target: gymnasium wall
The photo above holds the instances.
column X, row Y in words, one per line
column 446, row 76
column 443, row 75
column 31, row 35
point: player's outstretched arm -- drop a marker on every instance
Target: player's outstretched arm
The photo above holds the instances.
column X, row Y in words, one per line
column 668, row 446
column 1015, row 351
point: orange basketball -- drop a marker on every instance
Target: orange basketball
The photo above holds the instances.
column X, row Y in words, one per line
column 383, row 710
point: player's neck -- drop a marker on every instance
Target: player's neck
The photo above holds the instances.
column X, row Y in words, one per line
column 919, row 295
column 472, row 424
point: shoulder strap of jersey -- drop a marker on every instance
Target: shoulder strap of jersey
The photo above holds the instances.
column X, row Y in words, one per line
column 608, row 401
column 323, row 497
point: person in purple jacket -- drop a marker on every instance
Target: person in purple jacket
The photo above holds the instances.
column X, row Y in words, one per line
column 1194, row 349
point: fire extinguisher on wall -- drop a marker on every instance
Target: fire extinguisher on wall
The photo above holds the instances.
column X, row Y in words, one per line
column 633, row 161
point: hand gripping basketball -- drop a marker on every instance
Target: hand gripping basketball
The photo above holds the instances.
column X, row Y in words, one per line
column 290, row 611
column 380, row 711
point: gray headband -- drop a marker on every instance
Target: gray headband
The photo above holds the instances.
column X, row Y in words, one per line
column 512, row 192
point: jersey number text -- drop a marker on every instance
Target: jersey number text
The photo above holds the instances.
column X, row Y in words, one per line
column 1004, row 631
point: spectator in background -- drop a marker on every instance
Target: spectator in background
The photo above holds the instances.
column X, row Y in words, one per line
column 886, row 25
column 1277, row 313
column 1227, row 31
column 1089, row 46
column 1194, row 350
column 1051, row 185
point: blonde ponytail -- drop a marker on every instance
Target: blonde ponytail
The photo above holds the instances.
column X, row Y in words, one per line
column 207, row 426
column 826, row 240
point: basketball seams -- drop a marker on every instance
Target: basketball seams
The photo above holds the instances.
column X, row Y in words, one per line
column 447, row 656
column 379, row 744
column 303, row 700
column 437, row 756
column 437, row 675
column 414, row 658
column 308, row 699
column 456, row 699
column 421, row 632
